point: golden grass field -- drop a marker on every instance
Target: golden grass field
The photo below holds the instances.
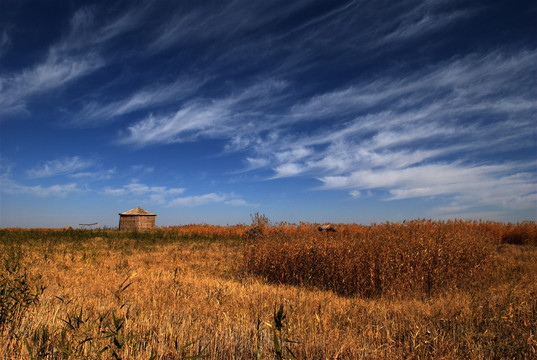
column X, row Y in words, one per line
column 420, row 289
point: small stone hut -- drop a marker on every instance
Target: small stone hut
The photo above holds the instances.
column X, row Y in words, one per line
column 137, row 219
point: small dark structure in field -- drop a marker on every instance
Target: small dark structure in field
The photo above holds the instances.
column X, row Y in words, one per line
column 88, row 226
column 137, row 219
column 327, row 228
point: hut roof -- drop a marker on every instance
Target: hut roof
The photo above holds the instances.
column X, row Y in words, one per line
column 137, row 211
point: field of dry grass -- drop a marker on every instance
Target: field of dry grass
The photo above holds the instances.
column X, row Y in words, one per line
column 422, row 289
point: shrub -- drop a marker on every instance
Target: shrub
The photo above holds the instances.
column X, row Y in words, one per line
column 520, row 234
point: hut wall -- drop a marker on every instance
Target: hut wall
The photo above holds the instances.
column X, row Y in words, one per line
column 127, row 222
column 136, row 222
column 145, row 223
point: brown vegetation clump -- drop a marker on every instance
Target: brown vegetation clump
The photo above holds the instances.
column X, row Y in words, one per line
column 415, row 258
column 519, row 234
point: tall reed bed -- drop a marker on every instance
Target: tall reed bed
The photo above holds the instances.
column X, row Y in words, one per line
column 398, row 259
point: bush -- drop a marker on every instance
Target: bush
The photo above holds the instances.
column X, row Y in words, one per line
column 520, row 234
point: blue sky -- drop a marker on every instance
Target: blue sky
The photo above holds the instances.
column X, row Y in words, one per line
column 207, row 112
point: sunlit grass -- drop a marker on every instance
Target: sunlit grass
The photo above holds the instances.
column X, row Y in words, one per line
column 425, row 290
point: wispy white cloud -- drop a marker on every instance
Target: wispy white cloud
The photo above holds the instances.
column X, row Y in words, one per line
column 88, row 30
column 210, row 198
column 5, row 42
column 147, row 98
column 54, row 72
column 496, row 83
column 61, row 190
column 256, row 163
column 358, row 30
column 288, row 170
column 12, row 187
column 225, row 21
column 211, row 119
column 62, row 166
column 186, row 124
column 156, row 194
column 424, row 20
column 411, row 181
column 140, row 189
column 94, row 175
column 197, row 200
column 469, row 186
column 237, row 202
column 76, row 55
column 169, row 196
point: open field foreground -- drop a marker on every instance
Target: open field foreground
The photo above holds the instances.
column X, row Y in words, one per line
column 420, row 289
